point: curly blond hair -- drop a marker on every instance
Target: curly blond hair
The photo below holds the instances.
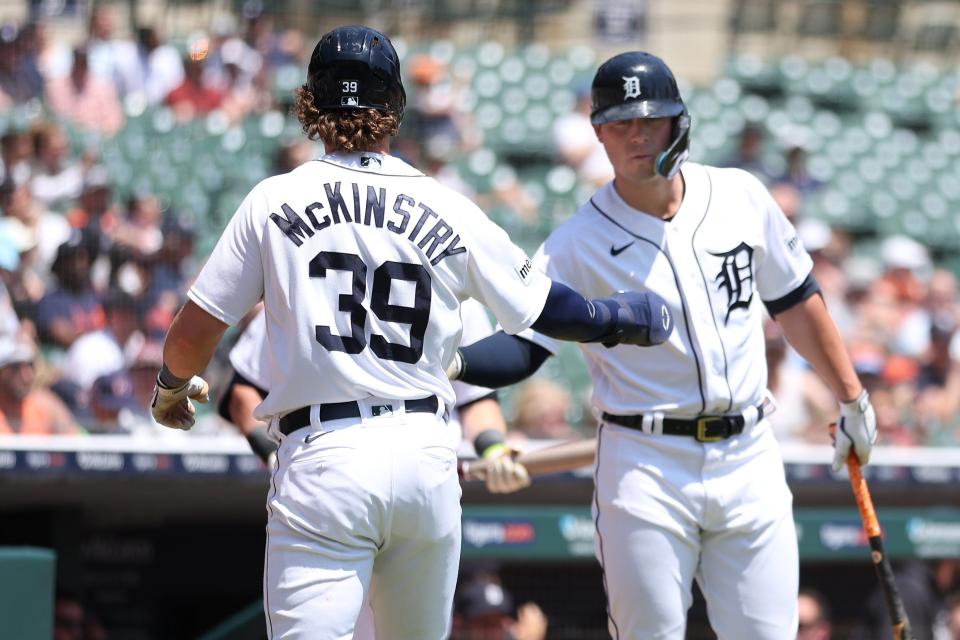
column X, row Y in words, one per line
column 358, row 130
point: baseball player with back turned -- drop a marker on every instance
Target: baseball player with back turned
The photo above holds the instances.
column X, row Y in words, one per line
column 362, row 263
column 689, row 480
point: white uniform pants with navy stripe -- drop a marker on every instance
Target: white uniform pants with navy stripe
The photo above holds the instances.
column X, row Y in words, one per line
column 669, row 509
column 374, row 497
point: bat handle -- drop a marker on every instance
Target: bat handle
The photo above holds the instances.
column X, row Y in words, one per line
column 862, row 495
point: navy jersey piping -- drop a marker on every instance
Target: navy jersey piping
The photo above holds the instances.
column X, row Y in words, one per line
column 706, row 287
column 373, row 173
column 683, row 300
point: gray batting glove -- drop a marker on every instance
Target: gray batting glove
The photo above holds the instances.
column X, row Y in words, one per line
column 504, row 474
column 173, row 407
column 857, row 427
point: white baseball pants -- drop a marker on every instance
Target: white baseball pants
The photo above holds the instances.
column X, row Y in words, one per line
column 669, row 509
column 375, row 496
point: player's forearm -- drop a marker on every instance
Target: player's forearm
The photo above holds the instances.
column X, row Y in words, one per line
column 812, row 332
column 191, row 341
column 500, row 360
column 480, row 416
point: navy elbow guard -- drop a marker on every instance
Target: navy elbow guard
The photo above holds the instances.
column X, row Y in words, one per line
column 641, row 319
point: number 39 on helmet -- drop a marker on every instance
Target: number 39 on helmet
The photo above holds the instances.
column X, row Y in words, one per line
column 356, row 67
column 636, row 84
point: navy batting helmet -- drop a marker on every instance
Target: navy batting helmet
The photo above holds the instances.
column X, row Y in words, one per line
column 356, row 67
column 636, row 84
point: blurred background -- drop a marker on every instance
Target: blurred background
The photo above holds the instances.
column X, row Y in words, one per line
column 130, row 132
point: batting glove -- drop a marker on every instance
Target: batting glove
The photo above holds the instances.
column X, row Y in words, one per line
column 504, row 474
column 857, row 427
column 173, row 407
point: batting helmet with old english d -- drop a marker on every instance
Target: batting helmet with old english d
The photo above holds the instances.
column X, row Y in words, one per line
column 636, row 84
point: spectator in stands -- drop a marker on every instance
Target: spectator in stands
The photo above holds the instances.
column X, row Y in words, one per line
column 804, row 402
column 98, row 217
column 796, row 174
column 23, row 281
column 434, row 114
column 72, row 620
column 69, row 617
column 84, row 99
column 25, row 408
column 577, row 146
column 194, row 97
column 16, row 154
column 154, row 71
column 106, row 350
column 542, row 408
column 50, row 57
column 953, row 616
column 907, row 266
column 107, row 54
column 814, row 616
column 747, row 155
column 72, row 307
column 49, row 229
column 923, row 585
column 57, row 179
column 19, row 80
column 483, row 610
column 293, row 153
column 243, row 94
column 109, row 396
column 139, row 231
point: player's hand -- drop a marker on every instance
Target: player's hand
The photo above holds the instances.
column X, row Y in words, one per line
column 173, row 407
column 643, row 319
column 531, row 623
column 857, row 428
column 504, row 473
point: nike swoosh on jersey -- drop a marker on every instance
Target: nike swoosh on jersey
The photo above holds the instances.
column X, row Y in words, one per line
column 314, row 436
column 615, row 251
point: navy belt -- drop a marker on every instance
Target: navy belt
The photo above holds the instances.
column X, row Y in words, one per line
column 338, row 410
column 701, row 428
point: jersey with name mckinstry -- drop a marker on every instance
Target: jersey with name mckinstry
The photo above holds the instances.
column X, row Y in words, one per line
column 362, row 262
column 728, row 248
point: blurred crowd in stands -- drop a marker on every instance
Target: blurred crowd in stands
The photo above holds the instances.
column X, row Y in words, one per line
column 91, row 281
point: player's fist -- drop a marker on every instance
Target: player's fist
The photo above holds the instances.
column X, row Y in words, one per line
column 505, row 474
column 857, row 428
column 642, row 319
column 173, row 407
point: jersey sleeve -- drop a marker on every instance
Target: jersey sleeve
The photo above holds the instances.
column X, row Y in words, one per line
column 231, row 281
column 784, row 264
column 501, row 276
column 476, row 326
column 249, row 355
column 541, row 260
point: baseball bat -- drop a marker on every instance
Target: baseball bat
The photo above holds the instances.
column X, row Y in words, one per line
column 566, row 456
column 898, row 615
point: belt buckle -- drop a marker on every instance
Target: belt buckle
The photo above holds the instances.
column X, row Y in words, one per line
column 702, row 424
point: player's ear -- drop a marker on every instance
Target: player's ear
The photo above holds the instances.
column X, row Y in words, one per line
column 597, row 130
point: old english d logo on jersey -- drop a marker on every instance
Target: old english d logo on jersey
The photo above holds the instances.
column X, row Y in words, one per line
column 631, row 88
column 736, row 277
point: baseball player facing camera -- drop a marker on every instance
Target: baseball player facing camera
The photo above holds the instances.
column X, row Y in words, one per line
column 689, row 480
column 362, row 263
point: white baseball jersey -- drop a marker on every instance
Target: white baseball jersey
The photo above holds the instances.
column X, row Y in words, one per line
column 673, row 509
column 362, row 262
column 712, row 267
column 250, row 356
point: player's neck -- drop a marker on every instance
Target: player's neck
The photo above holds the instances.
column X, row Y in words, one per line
column 381, row 146
column 658, row 197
